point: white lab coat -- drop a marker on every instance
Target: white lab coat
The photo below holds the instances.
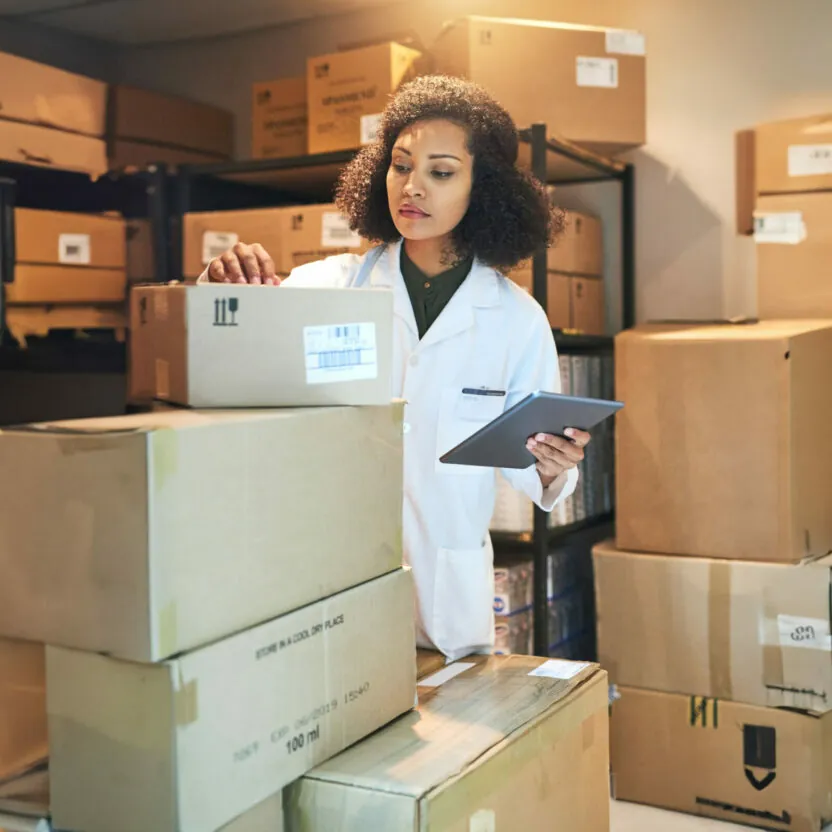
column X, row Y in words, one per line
column 491, row 335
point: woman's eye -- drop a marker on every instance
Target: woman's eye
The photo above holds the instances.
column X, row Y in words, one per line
column 442, row 174
column 400, row 168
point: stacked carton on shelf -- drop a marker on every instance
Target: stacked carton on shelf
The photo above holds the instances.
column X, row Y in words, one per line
column 713, row 609
column 208, row 639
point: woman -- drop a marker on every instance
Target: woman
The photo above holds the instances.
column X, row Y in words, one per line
column 440, row 190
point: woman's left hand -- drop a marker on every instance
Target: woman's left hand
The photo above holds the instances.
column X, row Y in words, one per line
column 556, row 454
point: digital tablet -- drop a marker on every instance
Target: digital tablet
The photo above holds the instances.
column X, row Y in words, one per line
column 502, row 442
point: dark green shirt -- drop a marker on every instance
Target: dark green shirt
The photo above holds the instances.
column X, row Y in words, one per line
column 430, row 295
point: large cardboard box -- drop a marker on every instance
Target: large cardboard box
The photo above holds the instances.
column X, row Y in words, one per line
column 41, row 94
column 191, row 743
column 579, row 249
column 794, row 254
column 766, row 767
column 220, row 345
column 292, row 235
column 141, row 115
column 498, row 743
column 794, row 155
column 573, row 303
column 558, row 290
column 145, row 535
column 123, row 154
column 753, row 632
column 65, row 257
column 589, row 82
column 723, row 448
column 23, row 737
column 349, row 90
column 280, row 118
column 45, row 147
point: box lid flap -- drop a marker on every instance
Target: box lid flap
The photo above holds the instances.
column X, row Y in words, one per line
column 458, row 721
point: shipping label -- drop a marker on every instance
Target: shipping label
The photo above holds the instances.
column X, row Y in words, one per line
column 810, row 159
column 597, row 72
column 346, row 352
column 74, row 249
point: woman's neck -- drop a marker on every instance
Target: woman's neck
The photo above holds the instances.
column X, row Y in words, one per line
column 428, row 255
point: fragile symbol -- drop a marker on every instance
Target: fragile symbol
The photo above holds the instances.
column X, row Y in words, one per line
column 225, row 311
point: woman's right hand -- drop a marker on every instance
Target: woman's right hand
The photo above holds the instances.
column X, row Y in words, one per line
column 242, row 264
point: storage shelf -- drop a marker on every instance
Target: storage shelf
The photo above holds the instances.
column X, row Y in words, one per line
column 510, row 542
column 568, row 163
column 576, row 344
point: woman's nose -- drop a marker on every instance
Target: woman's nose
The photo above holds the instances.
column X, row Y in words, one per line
column 413, row 187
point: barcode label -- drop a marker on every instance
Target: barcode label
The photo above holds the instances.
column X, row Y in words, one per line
column 336, row 232
column 623, row 42
column 810, row 159
column 785, row 228
column 74, row 249
column 369, row 128
column 346, row 352
column 216, row 243
column 597, row 72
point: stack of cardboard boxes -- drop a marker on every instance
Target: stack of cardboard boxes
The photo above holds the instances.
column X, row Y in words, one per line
column 713, row 610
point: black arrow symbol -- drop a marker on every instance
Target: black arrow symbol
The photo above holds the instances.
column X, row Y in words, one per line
column 759, row 785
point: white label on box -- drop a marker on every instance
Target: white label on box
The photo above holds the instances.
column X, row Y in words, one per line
column 445, row 675
column 597, row 72
column 162, row 379
column 346, row 352
column 559, row 669
column 336, row 232
column 483, row 821
column 74, row 249
column 615, row 695
column 786, row 228
column 810, row 159
column 622, row 42
column 808, row 633
column 369, row 128
column 216, row 243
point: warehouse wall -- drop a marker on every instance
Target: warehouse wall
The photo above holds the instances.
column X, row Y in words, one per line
column 713, row 66
column 74, row 53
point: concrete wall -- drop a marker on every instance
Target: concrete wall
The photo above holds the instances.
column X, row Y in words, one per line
column 713, row 66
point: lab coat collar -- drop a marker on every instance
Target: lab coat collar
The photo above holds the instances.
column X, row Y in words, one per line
column 480, row 289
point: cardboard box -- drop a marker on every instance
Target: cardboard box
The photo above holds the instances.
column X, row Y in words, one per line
column 574, row 303
column 794, row 155
column 722, row 447
column 191, row 743
column 142, row 536
column 280, row 119
column 745, row 150
column 123, row 154
column 589, row 82
column 349, row 90
column 23, row 737
column 66, row 284
column 145, row 116
column 220, row 345
column 51, row 97
column 765, row 767
column 757, row 633
column 265, row 817
column 491, row 746
column 794, row 253
column 32, row 144
column 558, row 291
column 580, row 249
column 292, row 235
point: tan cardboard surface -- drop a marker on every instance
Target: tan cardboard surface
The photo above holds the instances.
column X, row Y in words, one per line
column 218, row 345
column 765, row 767
column 489, row 748
column 590, row 82
column 45, row 147
column 345, row 88
column 147, row 116
column 192, row 743
column 66, row 284
column 126, row 154
column 793, row 268
column 748, row 631
column 280, row 118
column 794, row 155
column 756, row 392
column 150, row 534
column 745, row 149
column 41, row 94
column 23, row 736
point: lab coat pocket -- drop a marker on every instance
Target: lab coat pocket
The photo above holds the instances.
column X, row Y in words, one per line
column 461, row 415
column 463, row 611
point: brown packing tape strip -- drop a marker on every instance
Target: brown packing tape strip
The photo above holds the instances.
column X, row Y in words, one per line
column 719, row 630
column 774, row 673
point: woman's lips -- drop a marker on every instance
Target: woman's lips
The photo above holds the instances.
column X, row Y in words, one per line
column 412, row 213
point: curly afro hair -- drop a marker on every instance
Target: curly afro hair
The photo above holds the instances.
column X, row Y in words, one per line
column 509, row 217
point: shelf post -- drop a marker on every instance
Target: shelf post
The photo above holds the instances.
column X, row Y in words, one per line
column 160, row 222
column 7, row 244
column 540, row 580
column 539, row 266
column 628, row 247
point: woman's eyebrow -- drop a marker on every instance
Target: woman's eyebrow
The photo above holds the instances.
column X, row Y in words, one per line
column 432, row 156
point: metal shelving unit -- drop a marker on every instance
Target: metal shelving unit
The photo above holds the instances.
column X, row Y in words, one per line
column 555, row 161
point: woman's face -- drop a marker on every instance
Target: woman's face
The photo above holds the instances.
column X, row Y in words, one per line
column 429, row 180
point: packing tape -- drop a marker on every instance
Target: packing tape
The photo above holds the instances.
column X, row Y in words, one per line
column 167, row 634
column 773, row 671
column 719, row 629
column 186, row 701
column 164, row 448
